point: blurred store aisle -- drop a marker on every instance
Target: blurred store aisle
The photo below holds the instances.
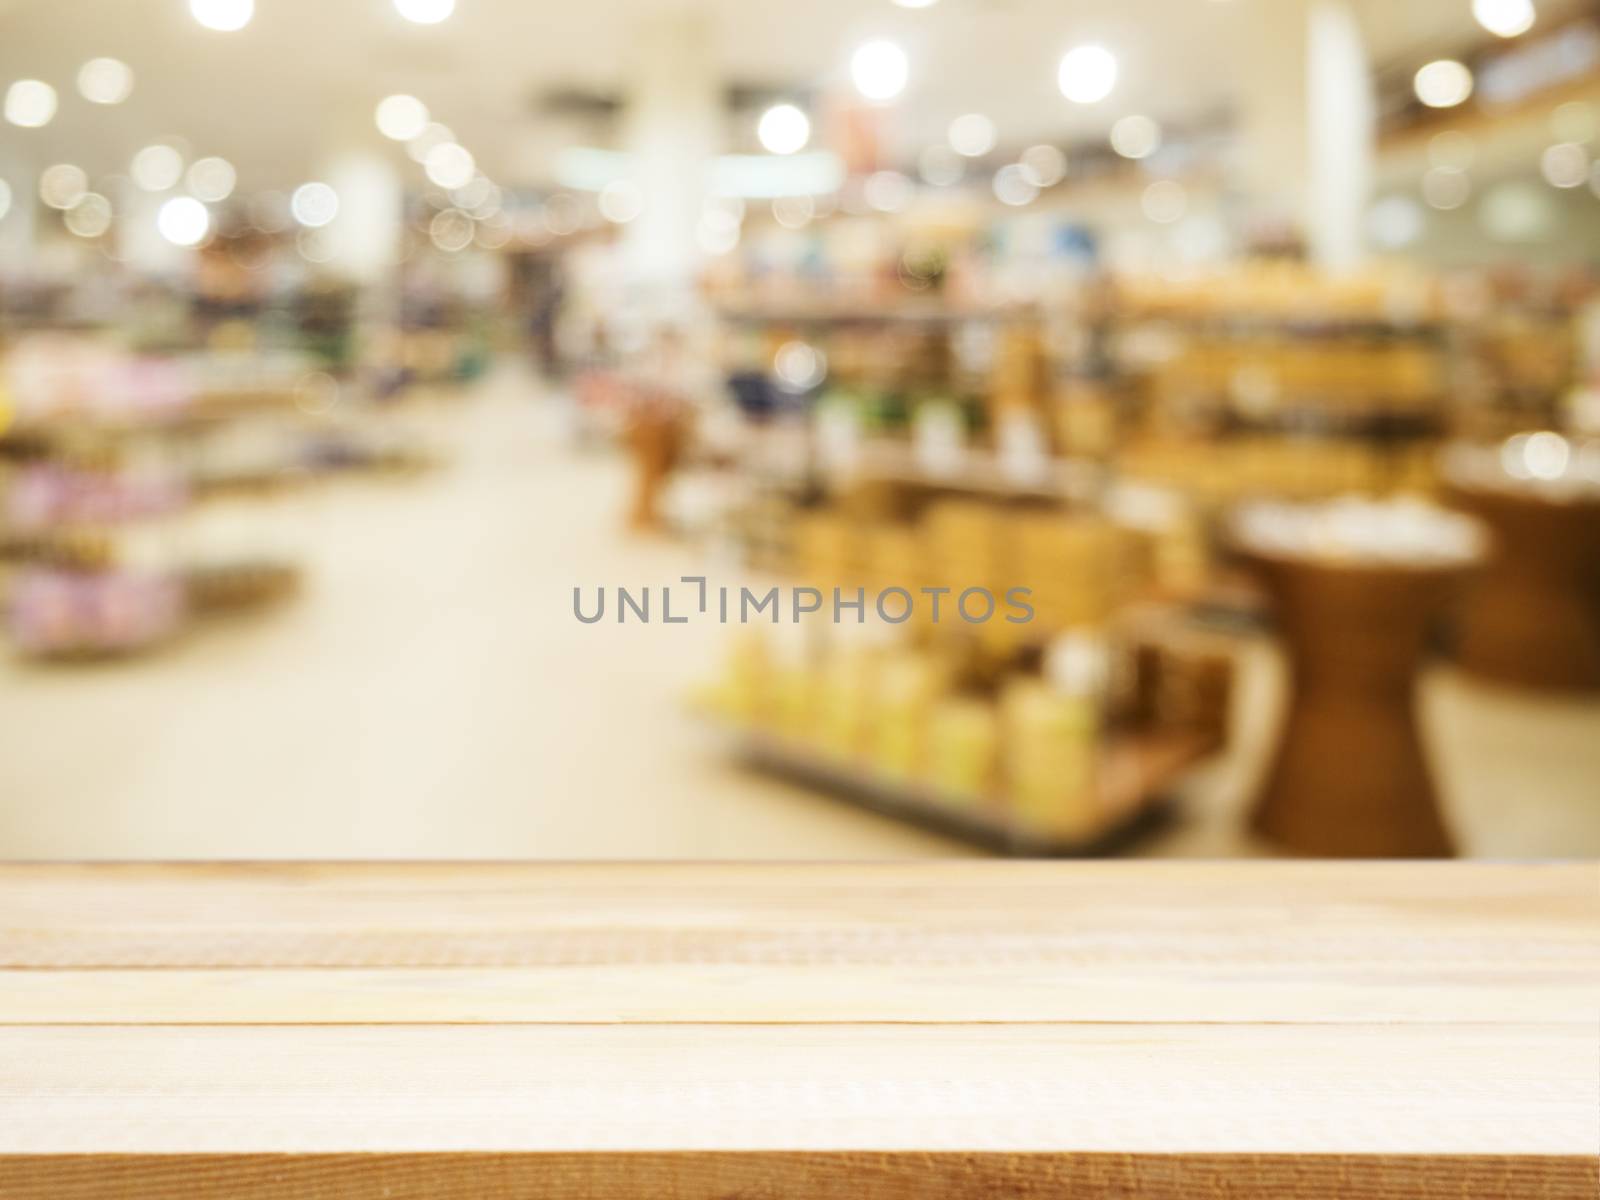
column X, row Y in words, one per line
column 430, row 695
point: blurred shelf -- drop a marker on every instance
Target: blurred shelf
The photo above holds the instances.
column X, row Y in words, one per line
column 1136, row 771
column 981, row 471
column 866, row 313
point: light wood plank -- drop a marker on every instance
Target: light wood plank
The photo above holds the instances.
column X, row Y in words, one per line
column 977, row 915
column 1060, row 1089
column 1017, row 991
column 704, row 1032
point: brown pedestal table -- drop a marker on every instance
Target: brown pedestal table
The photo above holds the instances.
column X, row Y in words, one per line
column 1350, row 776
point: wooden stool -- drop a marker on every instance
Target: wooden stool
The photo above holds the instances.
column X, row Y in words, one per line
column 1350, row 778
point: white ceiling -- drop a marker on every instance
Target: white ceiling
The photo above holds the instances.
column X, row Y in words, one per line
column 302, row 78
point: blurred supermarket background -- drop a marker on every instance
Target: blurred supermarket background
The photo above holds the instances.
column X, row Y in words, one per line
column 351, row 354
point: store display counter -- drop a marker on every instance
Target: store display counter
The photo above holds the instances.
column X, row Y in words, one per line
column 699, row 1031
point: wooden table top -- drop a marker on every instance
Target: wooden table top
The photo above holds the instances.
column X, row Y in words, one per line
column 937, row 1030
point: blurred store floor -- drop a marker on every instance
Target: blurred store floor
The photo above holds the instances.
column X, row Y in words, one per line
column 430, row 695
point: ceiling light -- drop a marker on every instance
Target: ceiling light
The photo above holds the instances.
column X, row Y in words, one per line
column 621, row 201
column 64, row 184
column 90, row 216
column 1012, row 186
column 1045, row 166
column 183, row 221
column 401, row 117
column 562, row 214
column 799, row 367
column 1165, row 201
column 493, row 233
column 30, row 103
column 451, row 230
column 1505, row 18
column 1136, row 137
column 1443, row 84
column 1087, row 74
column 225, row 16
column 784, row 129
column 916, row 3
column 491, row 204
column 105, row 81
column 314, row 204
column 972, row 135
column 425, row 12
column 880, row 70
column 475, row 193
column 212, row 179
column 1446, row 188
column 1565, row 165
column 450, row 165
column 434, row 134
column 157, row 168
column 794, row 212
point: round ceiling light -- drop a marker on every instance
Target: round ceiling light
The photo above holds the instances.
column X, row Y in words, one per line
column 880, row 70
column 30, row 103
column 972, row 135
column 1444, row 84
column 105, row 81
column 184, row 221
column 314, row 204
column 425, row 12
column 225, row 16
column 1087, row 74
column 784, row 129
column 1505, row 18
column 401, row 117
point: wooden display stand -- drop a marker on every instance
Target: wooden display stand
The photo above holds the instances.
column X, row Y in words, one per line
column 1350, row 777
column 936, row 1031
column 1533, row 619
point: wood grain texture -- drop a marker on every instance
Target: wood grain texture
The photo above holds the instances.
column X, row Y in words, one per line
column 931, row 1030
column 780, row 1176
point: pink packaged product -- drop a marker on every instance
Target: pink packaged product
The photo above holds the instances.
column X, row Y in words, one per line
column 61, row 612
column 48, row 495
column 145, row 389
column 50, row 376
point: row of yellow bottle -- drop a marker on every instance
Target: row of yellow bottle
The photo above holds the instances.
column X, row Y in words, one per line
column 1027, row 756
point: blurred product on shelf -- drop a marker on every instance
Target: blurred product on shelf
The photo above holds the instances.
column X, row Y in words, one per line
column 1070, row 750
column 72, row 614
column 1357, row 588
column 110, row 453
